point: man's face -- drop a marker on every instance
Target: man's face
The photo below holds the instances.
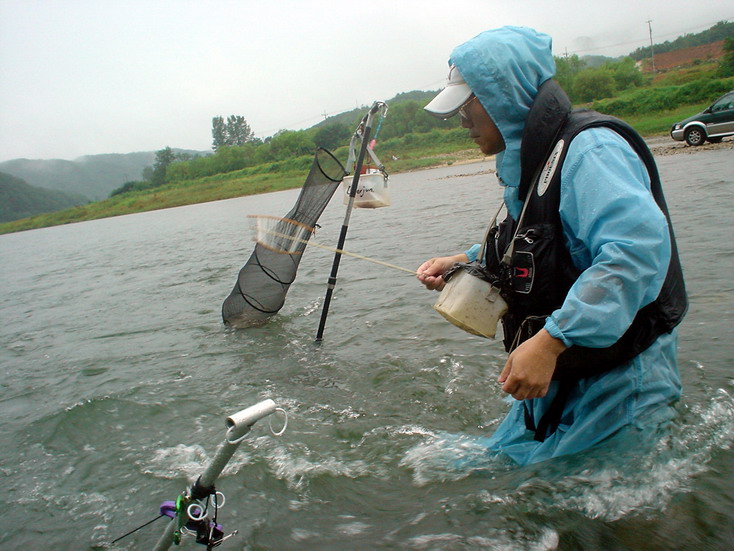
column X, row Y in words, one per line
column 481, row 127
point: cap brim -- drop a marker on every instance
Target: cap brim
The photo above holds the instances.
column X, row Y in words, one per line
column 448, row 102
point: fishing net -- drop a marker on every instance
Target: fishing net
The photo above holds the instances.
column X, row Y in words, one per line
column 264, row 280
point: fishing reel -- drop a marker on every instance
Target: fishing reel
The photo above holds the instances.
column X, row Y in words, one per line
column 196, row 515
column 195, row 511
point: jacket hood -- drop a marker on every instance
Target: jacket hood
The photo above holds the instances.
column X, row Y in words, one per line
column 504, row 68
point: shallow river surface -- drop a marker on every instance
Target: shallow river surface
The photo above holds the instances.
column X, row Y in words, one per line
column 117, row 374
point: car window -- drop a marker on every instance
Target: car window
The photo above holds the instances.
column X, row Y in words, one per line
column 727, row 102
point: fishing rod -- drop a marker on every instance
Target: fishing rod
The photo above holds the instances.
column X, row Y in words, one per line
column 364, row 130
column 194, row 512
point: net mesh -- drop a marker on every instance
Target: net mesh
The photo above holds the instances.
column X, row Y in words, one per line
column 264, row 280
column 280, row 235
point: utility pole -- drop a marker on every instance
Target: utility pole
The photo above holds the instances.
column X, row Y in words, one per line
column 652, row 48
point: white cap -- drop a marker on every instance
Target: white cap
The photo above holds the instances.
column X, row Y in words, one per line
column 449, row 100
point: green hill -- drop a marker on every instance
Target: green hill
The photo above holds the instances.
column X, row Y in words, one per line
column 351, row 118
column 720, row 31
column 93, row 176
column 20, row 200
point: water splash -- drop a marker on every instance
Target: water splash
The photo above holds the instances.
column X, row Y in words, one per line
column 188, row 461
column 605, row 483
column 445, row 457
column 299, row 466
column 646, row 487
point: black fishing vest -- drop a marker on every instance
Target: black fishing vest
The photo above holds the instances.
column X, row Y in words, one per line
column 537, row 271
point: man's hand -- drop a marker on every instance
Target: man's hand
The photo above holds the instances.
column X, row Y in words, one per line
column 431, row 271
column 529, row 369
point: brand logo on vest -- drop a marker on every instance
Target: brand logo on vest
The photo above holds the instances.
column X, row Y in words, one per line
column 550, row 168
column 523, row 272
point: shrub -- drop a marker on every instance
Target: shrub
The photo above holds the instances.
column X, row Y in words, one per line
column 593, row 84
column 649, row 100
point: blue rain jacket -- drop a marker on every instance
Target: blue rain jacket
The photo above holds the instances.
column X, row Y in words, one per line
column 619, row 239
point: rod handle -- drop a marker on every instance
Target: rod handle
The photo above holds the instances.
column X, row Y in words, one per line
column 247, row 417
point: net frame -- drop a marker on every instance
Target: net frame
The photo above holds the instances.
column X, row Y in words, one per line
column 271, row 231
column 264, row 237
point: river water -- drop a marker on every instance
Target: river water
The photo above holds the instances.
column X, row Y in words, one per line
column 117, row 375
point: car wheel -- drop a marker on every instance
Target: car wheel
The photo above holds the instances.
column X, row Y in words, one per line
column 695, row 136
column 714, row 140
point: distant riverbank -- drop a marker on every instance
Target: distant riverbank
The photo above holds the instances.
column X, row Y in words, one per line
column 242, row 183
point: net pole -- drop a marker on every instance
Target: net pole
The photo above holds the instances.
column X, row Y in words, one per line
column 345, row 225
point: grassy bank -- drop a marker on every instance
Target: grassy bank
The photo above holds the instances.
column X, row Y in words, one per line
column 660, row 124
column 213, row 188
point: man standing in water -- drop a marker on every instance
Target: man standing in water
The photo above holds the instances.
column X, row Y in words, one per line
column 586, row 258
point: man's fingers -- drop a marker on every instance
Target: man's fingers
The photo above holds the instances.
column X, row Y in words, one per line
column 505, row 373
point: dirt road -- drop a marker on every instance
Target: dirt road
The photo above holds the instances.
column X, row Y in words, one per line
column 665, row 145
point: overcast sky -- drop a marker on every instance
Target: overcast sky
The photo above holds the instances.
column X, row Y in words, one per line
column 81, row 77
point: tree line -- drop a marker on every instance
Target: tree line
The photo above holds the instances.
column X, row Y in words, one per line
column 235, row 146
column 721, row 31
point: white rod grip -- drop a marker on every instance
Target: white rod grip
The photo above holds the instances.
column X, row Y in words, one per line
column 247, row 417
